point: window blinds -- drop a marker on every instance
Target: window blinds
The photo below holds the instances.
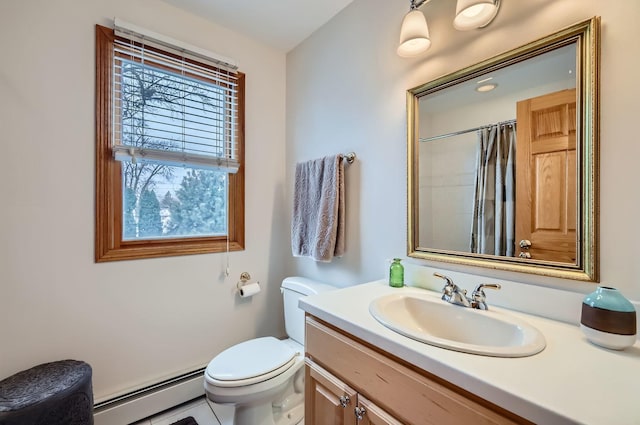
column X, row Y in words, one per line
column 171, row 109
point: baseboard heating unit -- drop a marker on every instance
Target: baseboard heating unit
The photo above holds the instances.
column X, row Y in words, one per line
column 147, row 401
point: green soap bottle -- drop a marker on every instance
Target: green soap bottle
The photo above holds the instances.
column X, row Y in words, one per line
column 396, row 274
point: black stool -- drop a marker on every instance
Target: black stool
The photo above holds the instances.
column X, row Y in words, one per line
column 57, row 393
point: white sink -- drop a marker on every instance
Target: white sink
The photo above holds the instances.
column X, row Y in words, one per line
column 430, row 320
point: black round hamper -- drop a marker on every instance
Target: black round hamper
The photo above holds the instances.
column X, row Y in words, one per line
column 56, row 393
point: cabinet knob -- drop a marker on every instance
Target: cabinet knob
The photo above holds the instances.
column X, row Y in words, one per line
column 360, row 412
column 344, row 400
column 525, row 244
column 525, row 255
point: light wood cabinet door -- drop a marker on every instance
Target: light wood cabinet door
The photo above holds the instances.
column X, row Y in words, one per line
column 328, row 401
column 371, row 414
column 546, row 177
column 332, row 402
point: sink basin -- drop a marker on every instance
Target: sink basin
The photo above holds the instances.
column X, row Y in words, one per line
column 430, row 320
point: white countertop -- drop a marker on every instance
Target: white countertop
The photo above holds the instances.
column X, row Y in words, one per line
column 570, row 381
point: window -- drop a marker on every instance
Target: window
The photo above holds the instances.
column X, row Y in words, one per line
column 170, row 150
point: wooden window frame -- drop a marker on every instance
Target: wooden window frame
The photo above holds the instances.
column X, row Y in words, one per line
column 109, row 245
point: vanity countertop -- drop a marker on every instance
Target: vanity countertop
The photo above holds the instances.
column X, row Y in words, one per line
column 570, row 381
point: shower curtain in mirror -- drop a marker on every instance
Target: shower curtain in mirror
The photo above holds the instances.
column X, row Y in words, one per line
column 493, row 228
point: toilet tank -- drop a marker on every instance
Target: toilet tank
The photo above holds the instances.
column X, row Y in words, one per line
column 294, row 288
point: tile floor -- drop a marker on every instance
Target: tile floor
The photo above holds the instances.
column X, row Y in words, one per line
column 201, row 411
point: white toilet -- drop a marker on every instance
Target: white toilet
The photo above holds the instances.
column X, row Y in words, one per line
column 264, row 377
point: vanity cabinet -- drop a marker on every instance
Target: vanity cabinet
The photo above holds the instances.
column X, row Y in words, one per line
column 389, row 390
column 332, row 402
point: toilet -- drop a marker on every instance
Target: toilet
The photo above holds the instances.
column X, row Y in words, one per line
column 263, row 378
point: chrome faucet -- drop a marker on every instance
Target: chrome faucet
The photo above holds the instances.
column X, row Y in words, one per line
column 453, row 294
column 479, row 298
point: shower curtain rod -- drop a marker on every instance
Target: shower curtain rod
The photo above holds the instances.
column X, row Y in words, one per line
column 457, row 133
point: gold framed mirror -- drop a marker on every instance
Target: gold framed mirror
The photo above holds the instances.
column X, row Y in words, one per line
column 503, row 164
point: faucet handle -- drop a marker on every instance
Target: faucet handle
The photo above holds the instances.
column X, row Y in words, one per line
column 449, row 287
column 446, row 278
column 479, row 298
column 488, row 286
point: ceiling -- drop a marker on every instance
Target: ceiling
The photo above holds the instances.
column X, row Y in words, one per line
column 555, row 68
column 282, row 24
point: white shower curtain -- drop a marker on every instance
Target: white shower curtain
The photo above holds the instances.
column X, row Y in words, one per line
column 493, row 228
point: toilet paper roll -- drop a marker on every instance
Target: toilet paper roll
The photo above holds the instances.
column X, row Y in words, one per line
column 249, row 290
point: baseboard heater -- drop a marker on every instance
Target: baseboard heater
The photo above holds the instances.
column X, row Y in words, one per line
column 148, row 401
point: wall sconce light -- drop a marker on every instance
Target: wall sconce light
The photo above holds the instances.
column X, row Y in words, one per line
column 470, row 14
column 414, row 33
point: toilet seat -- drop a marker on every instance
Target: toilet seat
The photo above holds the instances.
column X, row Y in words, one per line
column 250, row 362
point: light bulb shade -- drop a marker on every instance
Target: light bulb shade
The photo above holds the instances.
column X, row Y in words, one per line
column 414, row 34
column 472, row 14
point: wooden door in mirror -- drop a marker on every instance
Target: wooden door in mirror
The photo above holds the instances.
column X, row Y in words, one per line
column 546, row 177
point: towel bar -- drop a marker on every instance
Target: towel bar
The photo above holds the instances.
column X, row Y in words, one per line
column 349, row 157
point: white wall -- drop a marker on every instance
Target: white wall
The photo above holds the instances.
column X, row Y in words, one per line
column 346, row 91
column 133, row 321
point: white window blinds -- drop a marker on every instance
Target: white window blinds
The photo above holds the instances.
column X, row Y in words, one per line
column 171, row 109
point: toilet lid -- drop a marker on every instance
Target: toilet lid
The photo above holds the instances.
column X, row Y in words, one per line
column 250, row 359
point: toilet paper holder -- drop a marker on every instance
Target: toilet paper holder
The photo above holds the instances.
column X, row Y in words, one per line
column 246, row 289
column 245, row 277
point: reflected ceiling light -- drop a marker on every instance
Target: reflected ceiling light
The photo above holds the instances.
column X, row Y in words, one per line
column 414, row 33
column 470, row 14
column 486, row 87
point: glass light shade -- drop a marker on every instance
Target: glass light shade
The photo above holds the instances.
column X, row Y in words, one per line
column 472, row 14
column 414, row 34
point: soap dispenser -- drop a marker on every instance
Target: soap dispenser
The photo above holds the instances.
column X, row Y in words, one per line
column 396, row 274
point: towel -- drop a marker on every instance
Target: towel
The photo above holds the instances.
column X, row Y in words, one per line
column 317, row 227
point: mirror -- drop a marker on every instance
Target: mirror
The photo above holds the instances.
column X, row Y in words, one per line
column 503, row 160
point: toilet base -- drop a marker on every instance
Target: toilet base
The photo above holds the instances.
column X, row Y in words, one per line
column 289, row 410
column 261, row 414
column 285, row 415
column 295, row 416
